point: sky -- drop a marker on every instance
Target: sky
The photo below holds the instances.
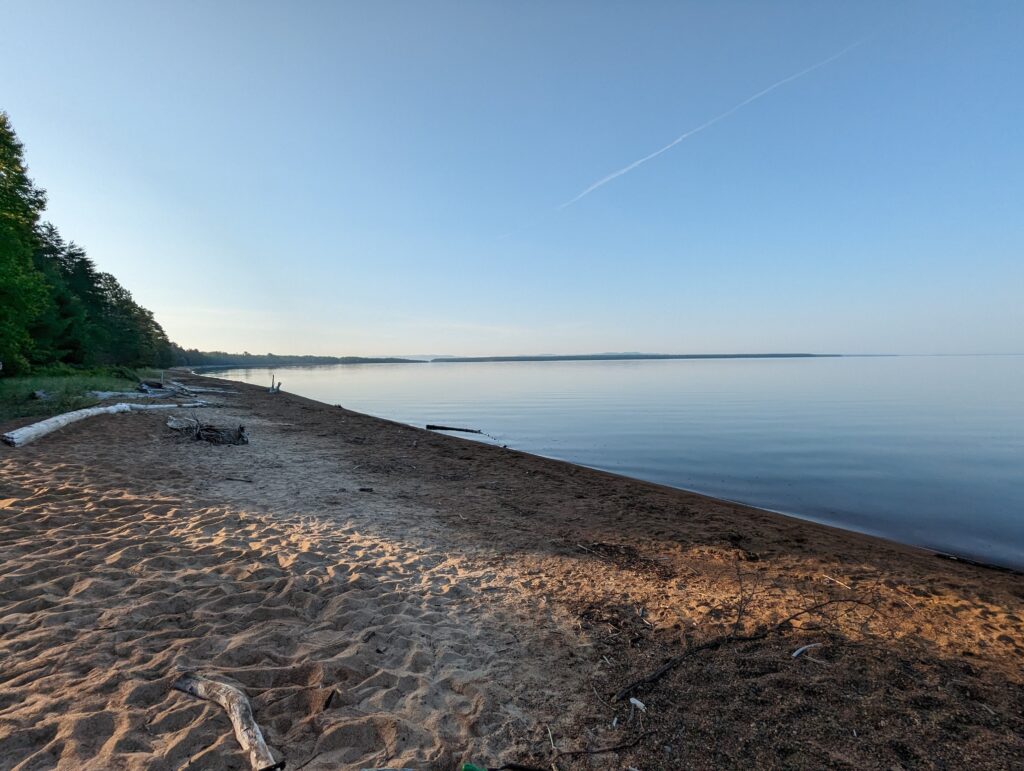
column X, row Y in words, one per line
column 388, row 178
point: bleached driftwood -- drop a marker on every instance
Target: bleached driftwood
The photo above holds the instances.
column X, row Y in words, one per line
column 152, row 393
column 26, row 434
column 199, row 389
column 207, row 432
column 235, row 703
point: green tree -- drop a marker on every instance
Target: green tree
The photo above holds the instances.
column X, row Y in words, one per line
column 129, row 333
column 55, row 306
column 22, row 288
column 63, row 331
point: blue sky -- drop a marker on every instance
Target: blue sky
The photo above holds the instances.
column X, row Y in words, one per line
column 384, row 178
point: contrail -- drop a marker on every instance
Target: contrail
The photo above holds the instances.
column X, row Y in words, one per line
column 626, row 169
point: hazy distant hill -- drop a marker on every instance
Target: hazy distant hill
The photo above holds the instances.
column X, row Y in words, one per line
column 636, row 356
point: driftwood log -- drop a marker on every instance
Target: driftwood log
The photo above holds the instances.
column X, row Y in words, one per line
column 207, row 432
column 235, row 703
column 191, row 389
column 432, row 427
column 152, row 393
column 26, row 434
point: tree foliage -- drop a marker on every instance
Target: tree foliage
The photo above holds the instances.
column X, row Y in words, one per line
column 192, row 357
column 22, row 289
column 55, row 306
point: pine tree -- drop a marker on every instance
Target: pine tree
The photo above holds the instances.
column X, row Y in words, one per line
column 22, row 288
column 55, row 306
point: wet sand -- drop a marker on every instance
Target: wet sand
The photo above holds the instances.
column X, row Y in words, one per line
column 392, row 597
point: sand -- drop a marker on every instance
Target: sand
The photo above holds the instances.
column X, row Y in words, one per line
column 392, row 597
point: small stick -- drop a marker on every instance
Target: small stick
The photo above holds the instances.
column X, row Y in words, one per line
column 836, row 581
column 617, row 747
column 717, row 642
column 804, row 649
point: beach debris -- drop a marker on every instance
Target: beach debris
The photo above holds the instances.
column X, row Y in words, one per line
column 150, row 389
column 614, row 748
column 22, row 436
column 208, row 432
column 837, row 581
column 803, row 649
column 41, row 395
column 733, row 637
column 638, row 704
column 432, row 427
column 366, row 489
column 274, row 389
column 150, row 394
column 235, row 703
column 191, row 389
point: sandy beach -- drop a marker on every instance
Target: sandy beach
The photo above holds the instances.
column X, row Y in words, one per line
column 388, row 596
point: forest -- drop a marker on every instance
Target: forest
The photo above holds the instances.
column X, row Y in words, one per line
column 57, row 310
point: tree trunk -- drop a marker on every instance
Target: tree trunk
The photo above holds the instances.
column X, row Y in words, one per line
column 26, row 434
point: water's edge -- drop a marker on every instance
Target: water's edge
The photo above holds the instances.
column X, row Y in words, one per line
column 924, row 451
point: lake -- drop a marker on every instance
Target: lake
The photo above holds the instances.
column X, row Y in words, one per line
column 923, row 450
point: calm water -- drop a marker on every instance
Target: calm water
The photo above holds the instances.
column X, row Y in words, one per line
column 923, row 450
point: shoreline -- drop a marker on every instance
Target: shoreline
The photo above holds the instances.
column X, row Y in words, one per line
column 389, row 596
column 976, row 560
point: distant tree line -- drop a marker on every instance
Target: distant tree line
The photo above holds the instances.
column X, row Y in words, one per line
column 194, row 358
column 56, row 308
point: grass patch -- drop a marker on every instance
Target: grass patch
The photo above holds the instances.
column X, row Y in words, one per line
column 67, row 392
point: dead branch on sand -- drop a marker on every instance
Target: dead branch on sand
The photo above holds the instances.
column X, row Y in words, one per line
column 601, row 750
column 733, row 637
column 207, row 432
column 235, row 703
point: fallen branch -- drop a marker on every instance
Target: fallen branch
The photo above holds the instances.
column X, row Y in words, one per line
column 235, row 703
column 152, row 393
column 174, row 384
column 717, row 642
column 432, row 427
column 207, row 432
column 601, row 750
column 24, row 435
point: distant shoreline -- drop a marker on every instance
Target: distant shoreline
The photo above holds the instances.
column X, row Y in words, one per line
column 535, row 357
column 637, row 357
